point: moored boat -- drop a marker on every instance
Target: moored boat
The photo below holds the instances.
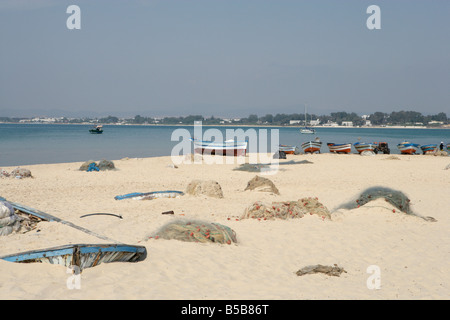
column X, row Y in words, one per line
column 340, row 147
column 408, row 148
column 96, row 130
column 81, row 255
column 362, row 146
column 226, row 148
column 312, row 146
column 428, row 148
column 307, row 130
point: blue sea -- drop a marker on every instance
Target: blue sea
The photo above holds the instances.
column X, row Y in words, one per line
column 26, row 144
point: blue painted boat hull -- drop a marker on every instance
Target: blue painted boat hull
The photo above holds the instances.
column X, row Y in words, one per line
column 81, row 255
column 150, row 195
column 428, row 148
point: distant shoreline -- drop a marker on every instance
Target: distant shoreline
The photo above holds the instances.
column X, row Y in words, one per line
column 233, row 125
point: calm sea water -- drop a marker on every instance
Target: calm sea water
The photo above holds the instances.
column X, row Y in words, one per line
column 25, row 144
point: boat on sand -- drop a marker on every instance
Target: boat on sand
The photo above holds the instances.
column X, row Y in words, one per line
column 339, row 147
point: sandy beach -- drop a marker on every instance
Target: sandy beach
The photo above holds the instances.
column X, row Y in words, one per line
column 412, row 254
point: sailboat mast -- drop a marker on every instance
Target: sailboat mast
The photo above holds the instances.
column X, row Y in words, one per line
column 306, row 123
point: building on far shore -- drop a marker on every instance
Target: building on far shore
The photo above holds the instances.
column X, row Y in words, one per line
column 42, row 120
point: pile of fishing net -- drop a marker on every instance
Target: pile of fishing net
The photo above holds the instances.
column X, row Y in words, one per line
column 9, row 221
column 262, row 184
column 440, row 153
column 286, row 210
column 196, row 231
column 334, row 270
column 102, row 165
column 395, row 197
column 257, row 167
column 17, row 173
column 4, row 173
column 208, row 188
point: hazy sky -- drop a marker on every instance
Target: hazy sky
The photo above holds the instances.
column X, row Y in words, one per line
column 228, row 58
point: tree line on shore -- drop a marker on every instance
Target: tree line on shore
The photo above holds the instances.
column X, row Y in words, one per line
column 280, row 119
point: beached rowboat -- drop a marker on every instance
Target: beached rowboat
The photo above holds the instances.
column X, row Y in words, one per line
column 311, row 146
column 428, row 148
column 361, row 146
column 340, row 147
column 408, row 148
column 288, row 149
column 226, row 148
column 81, row 255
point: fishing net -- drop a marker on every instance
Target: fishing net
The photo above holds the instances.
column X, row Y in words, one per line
column 286, row 210
column 253, row 167
column 397, row 198
column 262, row 184
column 392, row 158
column 102, row 165
column 106, row 165
column 17, row 173
column 196, row 231
column 9, row 221
column 335, row 270
column 4, row 173
column 209, row 188
column 85, row 166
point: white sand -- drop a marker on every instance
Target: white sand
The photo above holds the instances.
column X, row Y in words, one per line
column 412, row 254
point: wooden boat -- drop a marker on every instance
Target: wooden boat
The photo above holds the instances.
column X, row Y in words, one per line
column 288, row 149
column 81, row 255
column 428, row 148
column 448, row 147
column 340, row 147
column 362, row 146
column 150, row 195
column 226, row 148
column 408, row 148
column 96, row 130
column 312, row 146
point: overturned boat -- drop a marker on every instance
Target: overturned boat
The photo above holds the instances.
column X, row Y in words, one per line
column 150, row 195
column 81, row 255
